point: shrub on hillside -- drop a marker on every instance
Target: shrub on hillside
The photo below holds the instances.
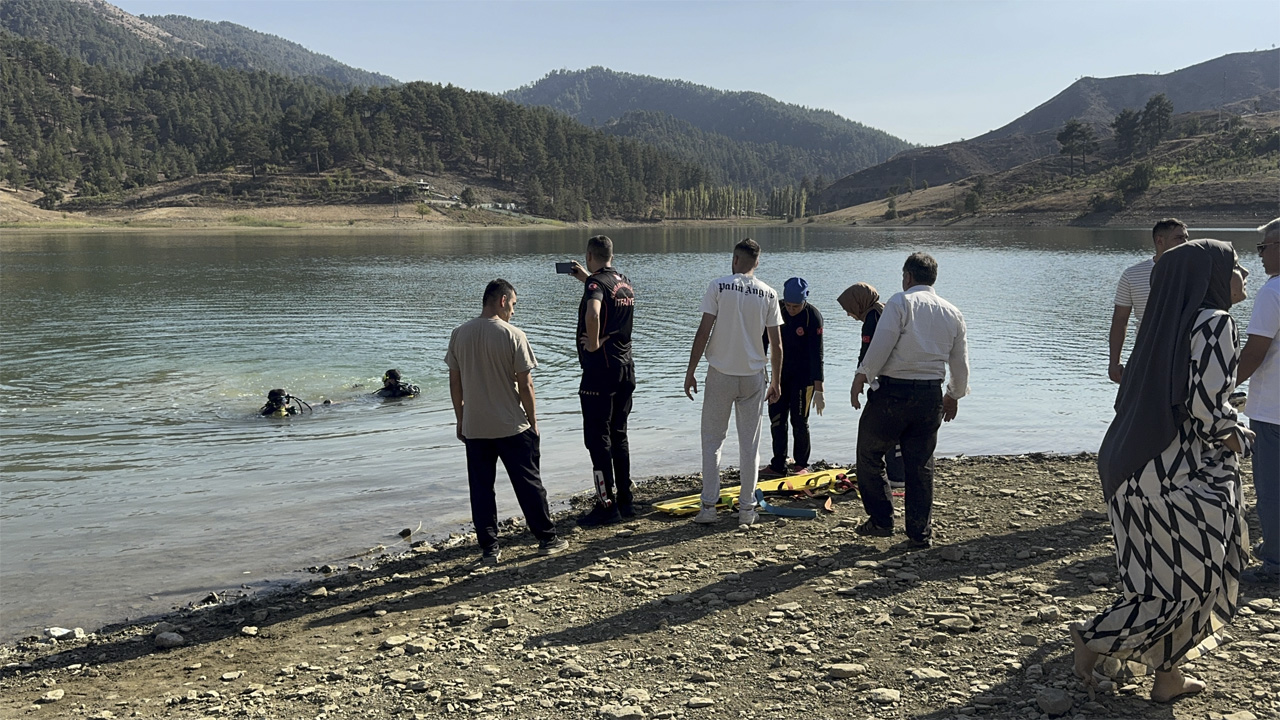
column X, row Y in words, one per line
column 1105, row 203
column 1138, row 180
column 892, row 212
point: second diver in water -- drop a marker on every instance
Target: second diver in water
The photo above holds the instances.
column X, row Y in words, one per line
column 394, row 387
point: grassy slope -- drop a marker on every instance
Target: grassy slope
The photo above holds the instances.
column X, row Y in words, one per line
column 1209, row 175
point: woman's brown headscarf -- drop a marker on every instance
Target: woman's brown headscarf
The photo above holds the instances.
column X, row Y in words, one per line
column 1152, row 400
column 858, row 298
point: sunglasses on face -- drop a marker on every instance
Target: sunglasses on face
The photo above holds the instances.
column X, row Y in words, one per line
column 1262, row 247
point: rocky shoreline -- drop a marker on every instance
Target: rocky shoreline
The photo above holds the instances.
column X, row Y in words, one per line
column 18, row 216
column 660, row 618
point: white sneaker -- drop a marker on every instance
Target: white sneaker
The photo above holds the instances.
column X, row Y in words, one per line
column 748, row 516
column 707, row 516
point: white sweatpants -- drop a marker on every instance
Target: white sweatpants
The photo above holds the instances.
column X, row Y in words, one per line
column 745, row 395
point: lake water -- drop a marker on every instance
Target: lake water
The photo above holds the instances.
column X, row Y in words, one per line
column 136, row 476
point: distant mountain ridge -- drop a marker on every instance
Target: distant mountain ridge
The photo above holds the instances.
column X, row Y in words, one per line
column 1205, row 86
column 99, row 33
column 745, row 128
column 1252, row 84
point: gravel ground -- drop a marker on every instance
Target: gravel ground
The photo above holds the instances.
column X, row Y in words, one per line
column 661, row 618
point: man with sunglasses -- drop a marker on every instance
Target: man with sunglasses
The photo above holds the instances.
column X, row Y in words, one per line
column 1260, row 364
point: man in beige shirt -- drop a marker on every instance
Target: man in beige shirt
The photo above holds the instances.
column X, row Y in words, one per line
column 490, row 362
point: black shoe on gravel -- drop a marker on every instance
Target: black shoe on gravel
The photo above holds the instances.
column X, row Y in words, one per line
column 552, row 546
column 600, row 515
column 870, row 529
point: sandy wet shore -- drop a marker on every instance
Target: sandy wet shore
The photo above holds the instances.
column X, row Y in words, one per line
column 661, row 618
column 17, row 214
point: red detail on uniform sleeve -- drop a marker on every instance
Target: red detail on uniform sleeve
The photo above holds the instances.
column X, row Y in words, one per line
column 819, row 329
column 800, row 331
column 866, row 338
column 592, row 286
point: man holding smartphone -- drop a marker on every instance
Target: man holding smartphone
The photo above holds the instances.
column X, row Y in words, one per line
column 608, row 379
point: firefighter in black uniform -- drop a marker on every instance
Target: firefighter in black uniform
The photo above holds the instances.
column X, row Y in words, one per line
column 608, row 379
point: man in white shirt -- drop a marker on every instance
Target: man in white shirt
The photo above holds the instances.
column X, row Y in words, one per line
column 737, row 311
column 1133, row 288
column 919, row 337
column 1260, row 364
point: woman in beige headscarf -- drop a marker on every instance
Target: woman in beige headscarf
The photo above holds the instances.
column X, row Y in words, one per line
column 862, row 302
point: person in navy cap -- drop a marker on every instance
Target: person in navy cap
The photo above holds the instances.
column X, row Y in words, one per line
column 801, row 378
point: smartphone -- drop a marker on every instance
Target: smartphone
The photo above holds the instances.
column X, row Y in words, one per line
column 564, row 268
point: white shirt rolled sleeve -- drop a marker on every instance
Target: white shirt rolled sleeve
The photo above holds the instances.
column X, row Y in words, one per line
column 919, row 337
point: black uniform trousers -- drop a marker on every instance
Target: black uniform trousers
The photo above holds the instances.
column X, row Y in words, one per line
column 792, row 405
column 606, row 404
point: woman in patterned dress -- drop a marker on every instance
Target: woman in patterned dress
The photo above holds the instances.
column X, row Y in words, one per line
column 1171, row 476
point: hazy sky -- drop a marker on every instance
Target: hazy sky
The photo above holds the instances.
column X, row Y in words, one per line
column 929, row 72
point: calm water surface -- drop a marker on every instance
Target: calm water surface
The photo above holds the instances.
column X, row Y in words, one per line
column 135, row 474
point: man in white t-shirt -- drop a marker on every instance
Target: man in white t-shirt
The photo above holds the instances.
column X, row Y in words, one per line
column 737, row 311
column 1260, row 365
column 1133, row 288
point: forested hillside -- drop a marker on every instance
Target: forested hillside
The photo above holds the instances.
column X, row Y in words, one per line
column 728, row 162
column 1188, row 165
column 745, row 136
column 73, row 129
column 99, row 33
column 235, row 46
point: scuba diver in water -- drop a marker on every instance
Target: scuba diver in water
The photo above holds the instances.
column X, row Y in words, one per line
column 282, row 404
column 394, row 387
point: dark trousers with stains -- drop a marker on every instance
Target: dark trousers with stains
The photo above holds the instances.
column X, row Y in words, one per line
column 907, row 413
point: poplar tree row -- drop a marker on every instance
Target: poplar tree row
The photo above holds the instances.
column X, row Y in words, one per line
column 788, row 202
column 707, row 202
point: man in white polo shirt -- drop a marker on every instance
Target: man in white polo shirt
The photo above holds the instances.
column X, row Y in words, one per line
column 737, row 311
column 1134, row 286
column 1260, row 365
